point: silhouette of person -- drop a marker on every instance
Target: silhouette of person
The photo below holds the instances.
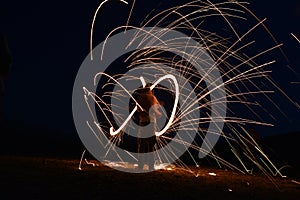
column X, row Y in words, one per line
column 147, row 127
column 5, row 66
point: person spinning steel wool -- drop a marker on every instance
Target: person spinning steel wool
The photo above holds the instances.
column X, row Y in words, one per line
column 5, row 65
column 147, row 122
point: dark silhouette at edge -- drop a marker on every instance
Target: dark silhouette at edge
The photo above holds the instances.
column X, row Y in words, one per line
column 5, row 67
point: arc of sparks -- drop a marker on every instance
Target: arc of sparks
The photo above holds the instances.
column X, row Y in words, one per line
column 169, row 76
column 157, row 133
column 212, row 47
column 93, row 23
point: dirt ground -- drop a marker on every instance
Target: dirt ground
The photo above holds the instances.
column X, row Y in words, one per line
column 58, row 178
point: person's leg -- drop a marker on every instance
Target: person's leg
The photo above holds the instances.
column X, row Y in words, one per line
column 151, row 149
column 142, row 145
column 141, row 151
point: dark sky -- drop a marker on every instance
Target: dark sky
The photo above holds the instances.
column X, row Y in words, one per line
column 50, row 39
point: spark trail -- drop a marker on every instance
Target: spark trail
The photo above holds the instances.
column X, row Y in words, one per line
column 243, row 75
column 296, row 38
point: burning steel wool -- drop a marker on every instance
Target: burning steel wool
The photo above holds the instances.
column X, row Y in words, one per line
column 206, row 71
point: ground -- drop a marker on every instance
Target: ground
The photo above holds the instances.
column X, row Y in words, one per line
column 30, row 177
column 45, row 166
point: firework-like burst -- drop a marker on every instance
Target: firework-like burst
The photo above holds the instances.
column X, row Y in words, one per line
column 208, row 71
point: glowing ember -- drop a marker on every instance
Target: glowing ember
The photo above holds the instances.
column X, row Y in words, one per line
column 212, row 174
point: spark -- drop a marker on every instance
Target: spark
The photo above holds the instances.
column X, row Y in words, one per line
column 80, row 163
column 239, row 71
column 93, row 24
column 298, row 40
column 89, row 163
column 297, row 182
column 130, row 13
column 212, row 174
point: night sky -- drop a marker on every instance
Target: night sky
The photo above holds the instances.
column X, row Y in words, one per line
column 49, row 40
